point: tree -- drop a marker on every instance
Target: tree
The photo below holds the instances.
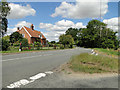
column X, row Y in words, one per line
column 73, row 32
column 5, row 45
column 15, row 36
column 7, row 38
column 66, row 40
column 5, row 10
column 53, row 42
column 97, row 35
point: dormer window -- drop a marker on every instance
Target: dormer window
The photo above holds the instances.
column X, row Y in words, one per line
column 40, row 36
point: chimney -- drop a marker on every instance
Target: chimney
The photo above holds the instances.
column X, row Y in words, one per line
column 32, row 27
column 18, row 28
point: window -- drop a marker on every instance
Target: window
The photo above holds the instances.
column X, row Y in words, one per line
column 23, row 35
column 40, row 36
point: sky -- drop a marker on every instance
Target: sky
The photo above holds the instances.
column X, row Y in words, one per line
column 54, row 18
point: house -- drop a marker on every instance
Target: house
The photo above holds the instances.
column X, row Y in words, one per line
column 32, row 35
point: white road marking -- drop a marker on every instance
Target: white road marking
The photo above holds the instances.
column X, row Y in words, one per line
column 18, row 83
column 49, row 72
column 25, row 57
column 25, row 81
column 38, row 76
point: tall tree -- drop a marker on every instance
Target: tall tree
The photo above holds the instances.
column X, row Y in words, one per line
column 97, row 35
column 66, row 40
column 73, row 32
column 15, row 36
column 4, row 11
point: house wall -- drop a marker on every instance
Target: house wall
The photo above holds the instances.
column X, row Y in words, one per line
column 22, row 31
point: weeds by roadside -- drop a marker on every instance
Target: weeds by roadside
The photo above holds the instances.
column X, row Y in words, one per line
column 93, row 64
column 108, row 51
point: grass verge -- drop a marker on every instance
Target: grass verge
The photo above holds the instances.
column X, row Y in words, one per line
column 16, row 49
column 108, row 51
column 93, row 64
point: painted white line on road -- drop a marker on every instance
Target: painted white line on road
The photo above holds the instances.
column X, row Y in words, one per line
column 38, row 76
column 25, row 57
column 20, row 58
column 48, row 72
column 25, row 81
column 18, row 83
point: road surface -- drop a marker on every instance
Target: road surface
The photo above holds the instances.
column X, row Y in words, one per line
column 22, row 66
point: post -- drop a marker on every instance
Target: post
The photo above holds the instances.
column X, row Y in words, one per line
column 20, row 49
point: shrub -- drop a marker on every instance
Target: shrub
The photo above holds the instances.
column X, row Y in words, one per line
column 62, row 47
column 16, row 44
column 5, row 45
column 71, row 46
column 25, row 42
column 37, row 44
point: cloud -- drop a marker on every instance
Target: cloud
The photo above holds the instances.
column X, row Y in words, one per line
column 10, row 31
column 18, row 11
column 112, row 23
column 82, row 9
column 19, row 24
column 23, row 23
column 55, row 30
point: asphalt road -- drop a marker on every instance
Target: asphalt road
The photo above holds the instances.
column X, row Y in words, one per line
column 19, row 66
column 59, row 80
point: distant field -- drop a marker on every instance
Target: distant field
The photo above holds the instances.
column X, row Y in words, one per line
column 108, row 51
column 93, row 64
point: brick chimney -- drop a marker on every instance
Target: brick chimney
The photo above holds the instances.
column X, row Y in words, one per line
column 32, row 27
column 18, row 28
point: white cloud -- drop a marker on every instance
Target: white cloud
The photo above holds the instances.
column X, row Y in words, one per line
column 19, row 24
column 112, row 23
column 82, row 9
column 23, row 23
column 18, row 11
column 65, row 23
column 55, row 30
column 10, row 30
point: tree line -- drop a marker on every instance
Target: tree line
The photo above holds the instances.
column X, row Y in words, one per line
column 95, row 35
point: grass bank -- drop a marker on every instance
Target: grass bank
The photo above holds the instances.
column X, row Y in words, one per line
column 93, row 64
column 25, row 49
column 108, row 51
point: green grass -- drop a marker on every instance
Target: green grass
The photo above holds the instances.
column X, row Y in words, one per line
column 25, row 49
column 93, row 64
column 108, row 51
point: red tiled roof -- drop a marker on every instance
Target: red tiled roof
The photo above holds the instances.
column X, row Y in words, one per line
column 34, row 33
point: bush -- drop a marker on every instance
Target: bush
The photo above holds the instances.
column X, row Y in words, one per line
column 37, row 44
column 31, row 45
column 5, row 45
column 62, row 47
column 16, row 44
column 71, row 46
column 25, row 42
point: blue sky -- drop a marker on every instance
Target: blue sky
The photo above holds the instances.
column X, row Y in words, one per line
column 46, row 13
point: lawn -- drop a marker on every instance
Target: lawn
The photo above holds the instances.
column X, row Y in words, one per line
column 108, row 51
column 93, row 64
